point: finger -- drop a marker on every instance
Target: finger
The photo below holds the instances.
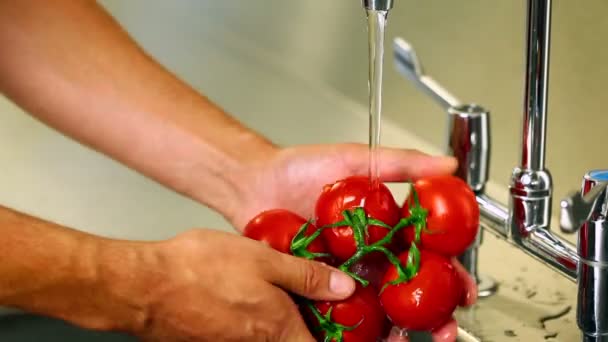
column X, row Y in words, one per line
column 308, row 278
column 398, row 165
column 398, row 335
column 469, row 295
column 446, row 333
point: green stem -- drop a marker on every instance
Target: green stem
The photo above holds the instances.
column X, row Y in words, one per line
column 404, row 222
column 359, row 226
column 334, row 332
column 301, row 242
column 411, row 269
column 415, row 195
column 353, row 259
column 358, row 221
column 378, row 246
column 419, row 213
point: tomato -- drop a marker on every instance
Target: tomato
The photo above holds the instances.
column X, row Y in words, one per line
column 350, row 193
column 453, row 214
column 277, row 229
column 426, row 301
column 362, row 310
column 372, row 268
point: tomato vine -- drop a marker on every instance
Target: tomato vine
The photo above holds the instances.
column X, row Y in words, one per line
column 358, row 220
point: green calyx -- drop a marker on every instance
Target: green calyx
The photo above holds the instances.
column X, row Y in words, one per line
column 411, row 269
column 301, row 242
column 359, row 222
column 334, row 332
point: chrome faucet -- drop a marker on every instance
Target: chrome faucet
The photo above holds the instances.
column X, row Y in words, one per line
column 468, row 140
column 377, row 5
column 525, row 223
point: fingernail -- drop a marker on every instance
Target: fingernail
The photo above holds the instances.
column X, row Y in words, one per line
column 447, row 159
column 340, row 283
column 469, row 296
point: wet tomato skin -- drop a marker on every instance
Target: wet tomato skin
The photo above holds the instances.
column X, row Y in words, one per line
column 362, row 308
column 428, row 300
column 277, row 228
column 350, row 193
column 453, row 214
column 372, row 268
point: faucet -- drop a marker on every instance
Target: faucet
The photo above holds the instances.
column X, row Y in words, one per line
column 526, row 220
column 468, row 141
column 377, row 5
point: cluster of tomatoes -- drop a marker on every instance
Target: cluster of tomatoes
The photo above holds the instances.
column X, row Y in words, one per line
column 400, row 256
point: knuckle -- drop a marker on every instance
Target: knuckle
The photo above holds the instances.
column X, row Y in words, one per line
column 264, row 264
column 311, row 277
column 265, row 329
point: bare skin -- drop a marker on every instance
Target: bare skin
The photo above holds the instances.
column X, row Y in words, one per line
column 69, row 64
column 190, row 288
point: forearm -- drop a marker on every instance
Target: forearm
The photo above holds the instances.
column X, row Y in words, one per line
column 71, row 65
column 59, row 272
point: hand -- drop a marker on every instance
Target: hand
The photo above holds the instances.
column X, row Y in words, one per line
column 292, row 178
column 207, row 285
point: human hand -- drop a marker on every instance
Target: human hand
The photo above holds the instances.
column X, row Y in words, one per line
column 207, row 285
column 293, row 177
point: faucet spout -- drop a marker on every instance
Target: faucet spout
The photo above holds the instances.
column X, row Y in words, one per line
column 377, row 5
column 536, row 84
column 531, row 184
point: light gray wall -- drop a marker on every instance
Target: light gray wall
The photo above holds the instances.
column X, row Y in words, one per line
column 473, row 47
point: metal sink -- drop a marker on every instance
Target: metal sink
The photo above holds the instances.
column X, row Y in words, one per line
column 30, row 328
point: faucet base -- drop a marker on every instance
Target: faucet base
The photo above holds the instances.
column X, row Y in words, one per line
column 597, row 338
column 486, row 286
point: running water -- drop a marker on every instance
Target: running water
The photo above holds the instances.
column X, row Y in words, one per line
column 376, row 23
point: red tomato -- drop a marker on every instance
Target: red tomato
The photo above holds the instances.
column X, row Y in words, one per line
column 362, row 309
column 453, row 215
column 350, row 193
column 372, row 268
column 426, row 301
column 277, row 229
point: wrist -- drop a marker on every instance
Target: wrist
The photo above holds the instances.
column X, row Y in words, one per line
column 121, row 279
column 229, row 188
column 55, row 271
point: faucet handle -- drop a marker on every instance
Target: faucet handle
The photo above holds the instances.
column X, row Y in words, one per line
column 409, row 65
column 589, row 203
column 468, row 124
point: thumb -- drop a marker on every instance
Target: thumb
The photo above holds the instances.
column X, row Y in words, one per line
column 310, row 279
column 398, row 165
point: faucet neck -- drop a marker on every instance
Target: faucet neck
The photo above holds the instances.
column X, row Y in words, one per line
column 377, row 5
column 536, row 84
